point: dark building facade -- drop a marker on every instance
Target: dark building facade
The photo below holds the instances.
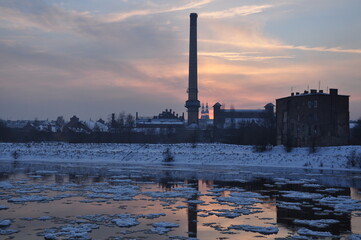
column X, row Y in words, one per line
column 166, row 119
column 313, row 118
column 235, row 118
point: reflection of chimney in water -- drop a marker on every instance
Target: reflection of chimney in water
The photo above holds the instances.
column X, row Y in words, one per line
column 192, row 211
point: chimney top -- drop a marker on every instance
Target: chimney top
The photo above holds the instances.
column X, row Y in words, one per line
column 333, row 91
column 192, row 15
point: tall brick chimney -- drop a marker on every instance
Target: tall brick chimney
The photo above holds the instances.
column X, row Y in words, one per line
column 192, row 104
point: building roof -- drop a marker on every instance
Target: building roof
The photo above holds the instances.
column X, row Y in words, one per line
column 313, row 92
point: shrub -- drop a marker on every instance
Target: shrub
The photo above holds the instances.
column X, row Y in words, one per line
column 262, row 148
column 354, row 159
column 167, row 155
column 15, row 154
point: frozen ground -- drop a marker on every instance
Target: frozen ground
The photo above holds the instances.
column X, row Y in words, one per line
column 184, row 154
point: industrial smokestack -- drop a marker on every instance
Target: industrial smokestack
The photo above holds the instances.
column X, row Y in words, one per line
column 192, row 104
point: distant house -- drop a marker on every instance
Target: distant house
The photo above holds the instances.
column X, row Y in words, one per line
column 97, row 126
column 167, row 119
column 76, row 126
column 235, row 118
column 313, row 118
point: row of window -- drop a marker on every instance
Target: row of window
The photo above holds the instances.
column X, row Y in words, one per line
column 312, row 104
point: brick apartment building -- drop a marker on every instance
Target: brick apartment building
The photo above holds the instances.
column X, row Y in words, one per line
column 313, row 118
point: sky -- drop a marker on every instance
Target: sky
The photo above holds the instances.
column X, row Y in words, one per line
column 91, row 58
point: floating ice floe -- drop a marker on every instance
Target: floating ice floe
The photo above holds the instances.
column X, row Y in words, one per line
column 308, row 232
column 159, row 194
column 70, row 232
column 331, row 190
column 194, row 201
column 45, row 218
column 2, row 207
column 241, row 198
column 261, row 230
column 301, row 195
column 6, row 185
column 354, row 237
column 289, row 205
column 8, row 231
column 163, row 227
column 5, row 223
column 154, row 215
column 320, row 223
column 165, row 224
column 32, row 198
column 125, row 220
column 341, row 203
column 46, row 172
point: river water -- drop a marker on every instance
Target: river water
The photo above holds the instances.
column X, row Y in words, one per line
column 68, row 201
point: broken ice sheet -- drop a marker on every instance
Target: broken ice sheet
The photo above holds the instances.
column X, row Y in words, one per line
column 258, row 229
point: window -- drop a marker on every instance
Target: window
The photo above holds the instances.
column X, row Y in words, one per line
column 309, row 104
column 315, row 104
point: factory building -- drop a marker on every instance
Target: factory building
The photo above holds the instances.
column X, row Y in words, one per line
column 313, row 118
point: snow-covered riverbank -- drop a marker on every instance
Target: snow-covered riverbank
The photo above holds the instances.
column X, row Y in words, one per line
column 202, row 154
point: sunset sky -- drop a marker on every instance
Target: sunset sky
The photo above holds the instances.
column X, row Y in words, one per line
column 93, row 57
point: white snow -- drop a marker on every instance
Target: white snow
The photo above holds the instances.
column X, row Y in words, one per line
column 202, row 154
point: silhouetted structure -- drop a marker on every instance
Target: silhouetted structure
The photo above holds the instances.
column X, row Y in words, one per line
column 192, row 104
column 165, row 119
column 236, row 118
column 313, row 118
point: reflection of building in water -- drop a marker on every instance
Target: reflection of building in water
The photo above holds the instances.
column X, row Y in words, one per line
column 310, row 209
column 302, row 209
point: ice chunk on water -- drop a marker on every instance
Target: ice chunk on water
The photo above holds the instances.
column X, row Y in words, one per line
column 33, row 198
column 321, row 223
column 261, row 230
column 165, row 224
column 301, row 195
column 8, row 231
column 125, row 220
column 5, row 223
column 308, row 232
column 2, row 207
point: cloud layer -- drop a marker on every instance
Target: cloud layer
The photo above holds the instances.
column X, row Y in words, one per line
column 66, row 58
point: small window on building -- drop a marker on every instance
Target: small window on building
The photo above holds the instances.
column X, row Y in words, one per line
column 315, row 104
column 309, row 104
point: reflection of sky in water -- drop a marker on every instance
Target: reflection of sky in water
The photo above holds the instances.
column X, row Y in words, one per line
column 200, row 218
